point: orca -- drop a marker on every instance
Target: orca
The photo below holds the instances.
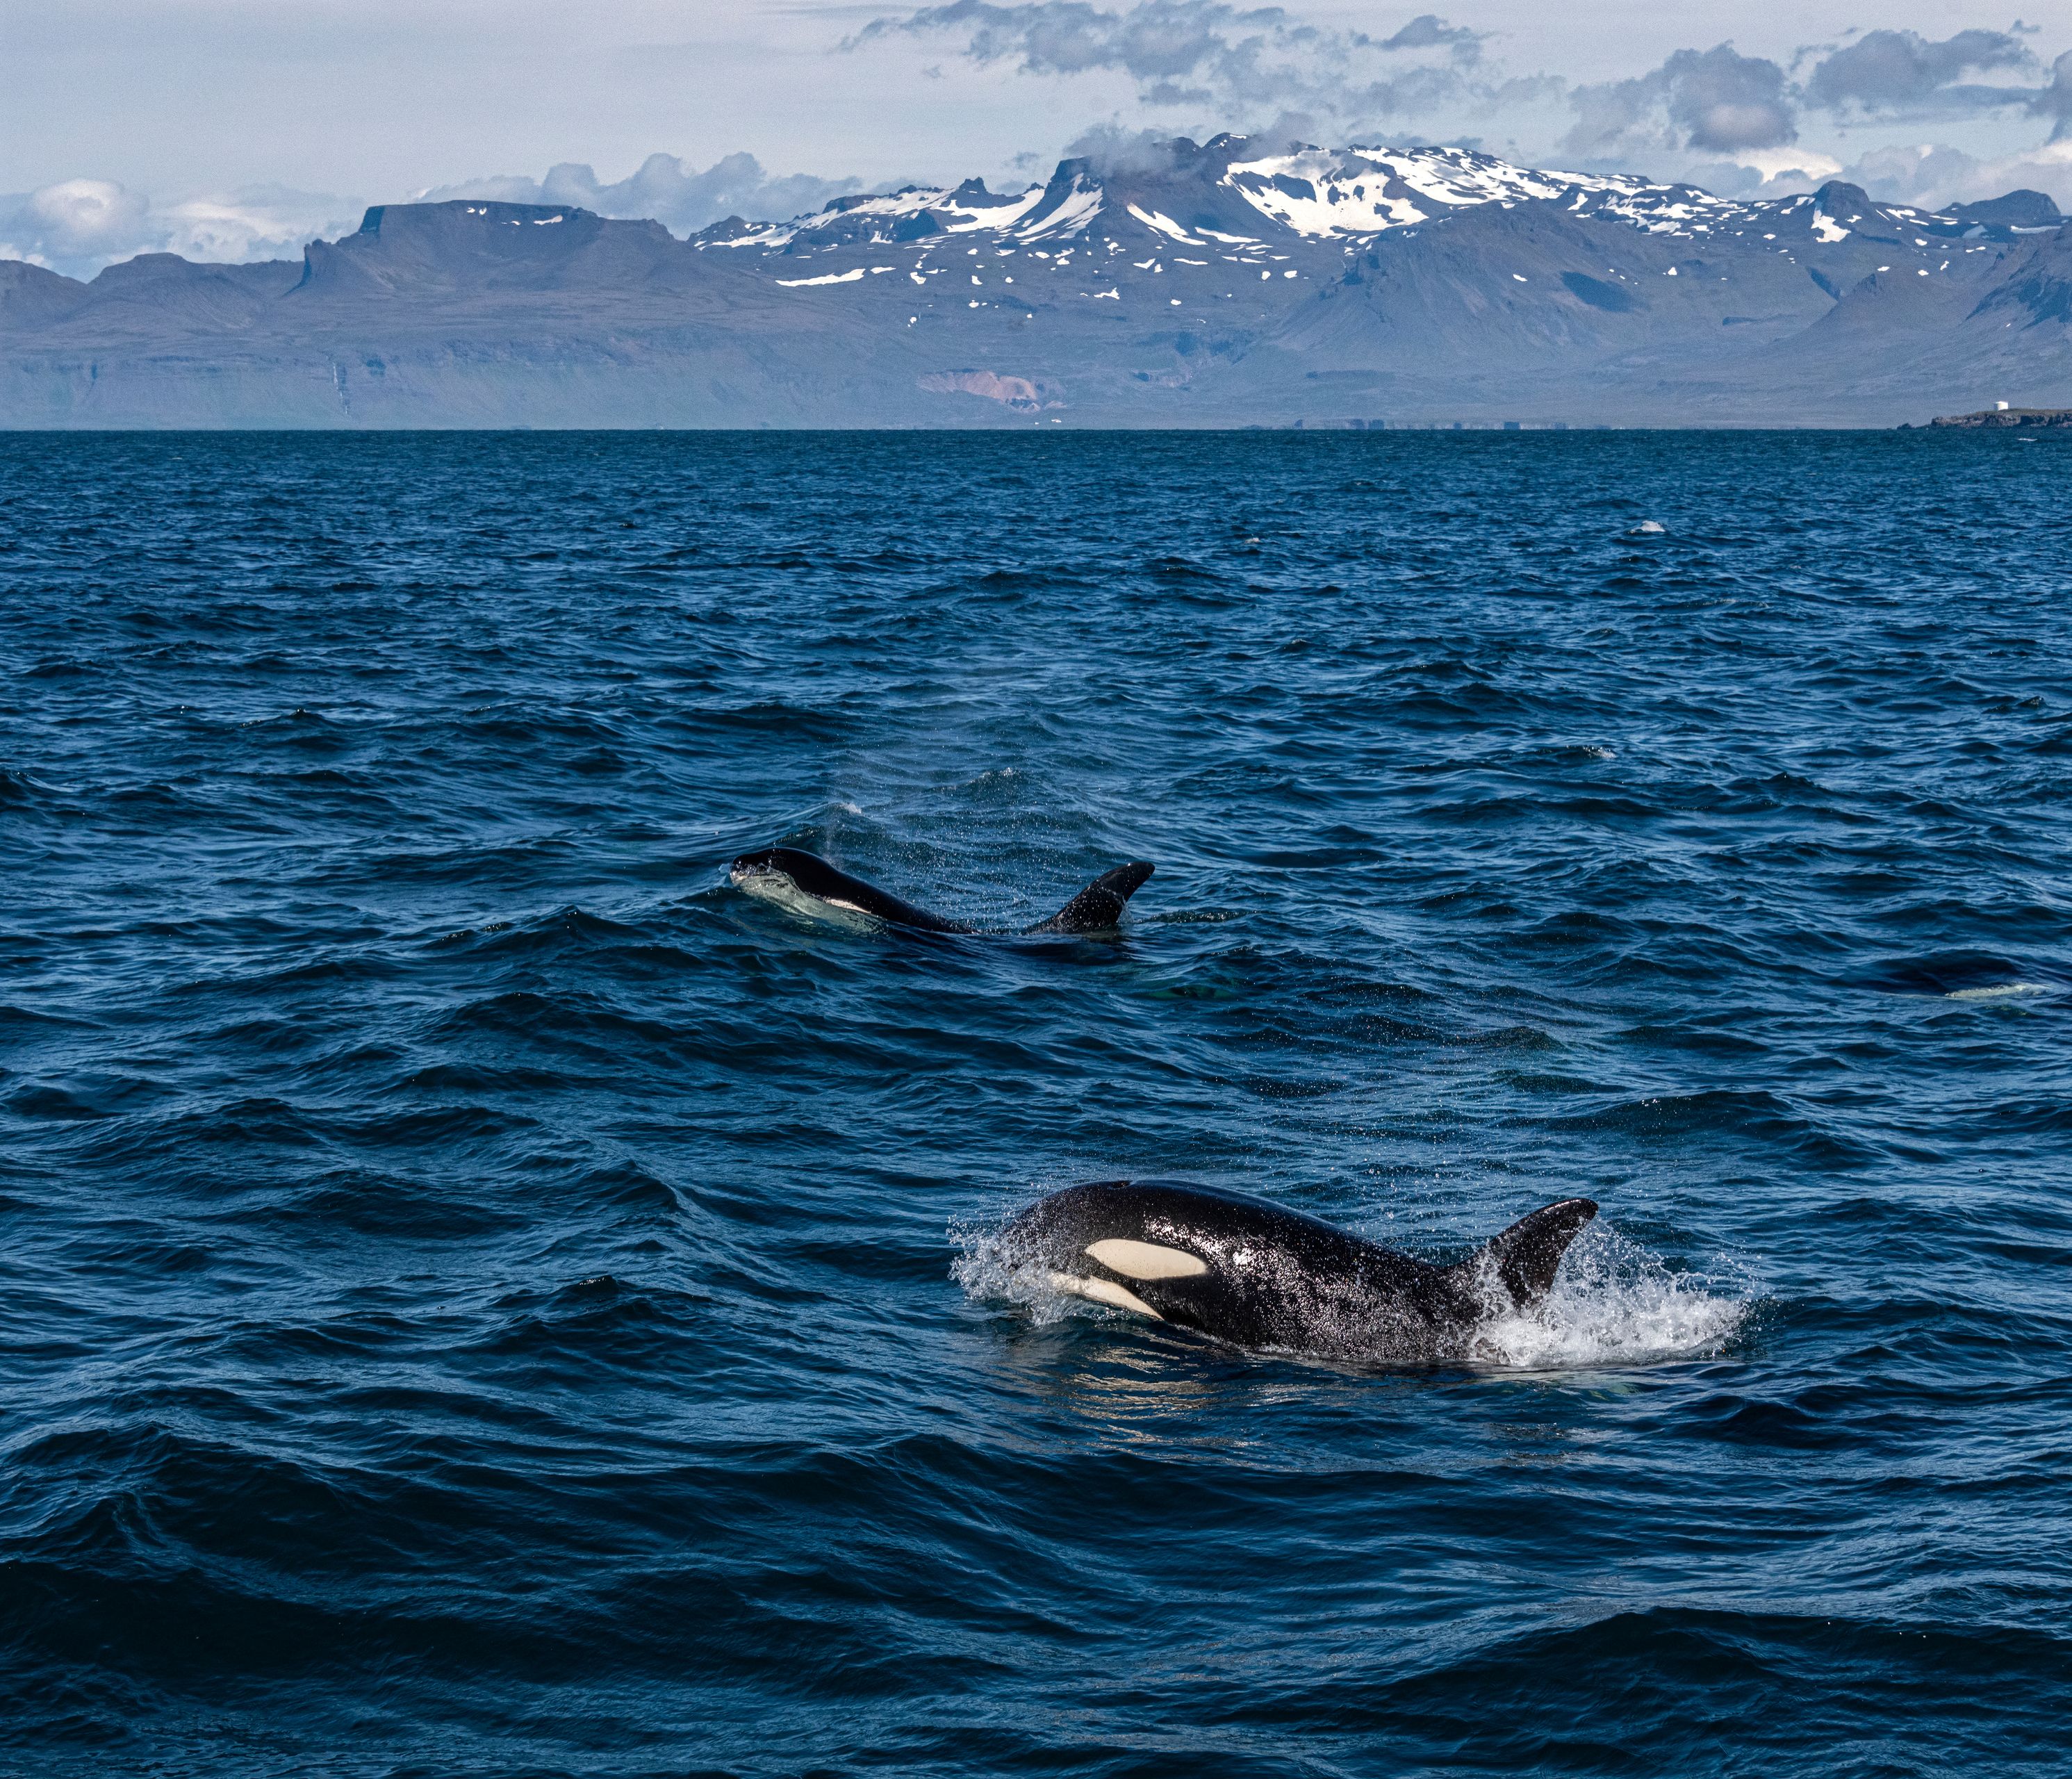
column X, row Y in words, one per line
column 1250, row 1272
column 805, row 884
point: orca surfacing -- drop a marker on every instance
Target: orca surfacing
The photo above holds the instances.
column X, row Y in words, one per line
column 808, row 884
column 1241, row 1270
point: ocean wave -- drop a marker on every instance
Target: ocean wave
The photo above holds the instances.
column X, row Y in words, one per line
column 476, row 1281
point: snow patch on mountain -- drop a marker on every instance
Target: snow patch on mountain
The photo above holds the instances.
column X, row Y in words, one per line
column 1320, row 196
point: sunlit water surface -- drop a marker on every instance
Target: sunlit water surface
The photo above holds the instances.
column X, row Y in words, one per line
column 485, row 1296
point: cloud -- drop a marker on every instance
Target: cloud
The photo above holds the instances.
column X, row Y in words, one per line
column 1765, row 172
column 77, row 226
column 1712, row 115
column 1713, row 100
column 1930, row 174
column 1712, row 109
column 1157, row 41
column 666, row 190
column 1934, row 174
column 1899, row 71
column 78, row 217
column 2055, row 101
column 1231, row 61
column 1718, row 102
column 1112, row 149
column 1427, row 30
column 1722, row 100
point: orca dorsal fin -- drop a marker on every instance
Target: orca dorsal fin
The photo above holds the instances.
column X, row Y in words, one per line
column 1099, row 905
column 1526, row 1255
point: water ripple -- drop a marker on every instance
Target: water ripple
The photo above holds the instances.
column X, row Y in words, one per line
column 485, row 1296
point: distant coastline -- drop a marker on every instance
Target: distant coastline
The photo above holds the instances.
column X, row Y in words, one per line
column 1233, row 286
column 2007, row 417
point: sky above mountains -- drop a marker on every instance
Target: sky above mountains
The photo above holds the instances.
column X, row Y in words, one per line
column 236, row 129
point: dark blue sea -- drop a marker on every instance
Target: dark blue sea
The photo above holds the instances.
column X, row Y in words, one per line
column 482, row 1295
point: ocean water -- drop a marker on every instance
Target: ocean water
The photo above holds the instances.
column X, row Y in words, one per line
column 483, row 1296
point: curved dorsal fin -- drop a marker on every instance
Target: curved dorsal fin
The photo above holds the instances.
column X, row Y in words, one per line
column 1099, row 905
column 1526, row 1255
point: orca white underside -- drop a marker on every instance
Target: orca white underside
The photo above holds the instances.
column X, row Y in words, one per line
column 1132, row 1260
column 1102, row 1291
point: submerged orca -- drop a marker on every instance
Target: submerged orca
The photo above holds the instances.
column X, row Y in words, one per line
column 797, row 880
column 1243, row 1270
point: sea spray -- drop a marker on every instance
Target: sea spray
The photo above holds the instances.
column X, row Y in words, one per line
column 1615, row 1303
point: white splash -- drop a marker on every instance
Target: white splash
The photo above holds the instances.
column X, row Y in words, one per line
column 1614, row 1303
column 1999, row 991
column 991, row 1269
column 776, row 888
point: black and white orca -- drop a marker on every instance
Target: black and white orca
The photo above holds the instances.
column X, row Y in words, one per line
column 804, row 884
column 1243, row 1270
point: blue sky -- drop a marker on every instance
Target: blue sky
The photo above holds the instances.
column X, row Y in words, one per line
column 238, row 128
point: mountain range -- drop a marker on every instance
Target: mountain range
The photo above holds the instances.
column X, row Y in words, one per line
column 1224, row 284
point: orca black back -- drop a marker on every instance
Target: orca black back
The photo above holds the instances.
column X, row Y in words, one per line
column 1256, row 1274
column 1096, row 909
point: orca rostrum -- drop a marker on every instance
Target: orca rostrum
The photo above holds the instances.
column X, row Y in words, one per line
column 1251, row 1273
column 806, row 884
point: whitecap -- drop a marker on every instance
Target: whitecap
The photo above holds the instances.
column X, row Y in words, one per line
column 1998, row 991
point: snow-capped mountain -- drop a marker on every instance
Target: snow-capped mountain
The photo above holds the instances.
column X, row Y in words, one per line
column 1220, row 194
column 1226, row 285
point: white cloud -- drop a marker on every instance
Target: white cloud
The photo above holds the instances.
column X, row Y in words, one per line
column 1928, row 174
column 229, row 230
column 78, row 226
column 1933, row 173
column 1766, row 173
column 83, row 216
column 664, row 189
column 1791, row 167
